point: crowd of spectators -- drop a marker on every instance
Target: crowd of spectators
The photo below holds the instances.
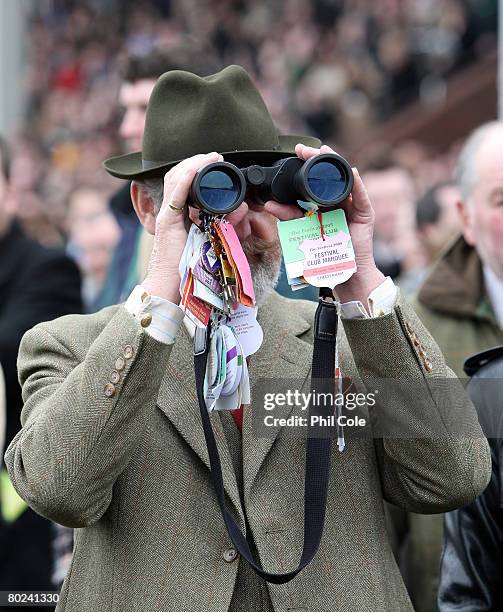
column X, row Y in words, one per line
column 323, row 67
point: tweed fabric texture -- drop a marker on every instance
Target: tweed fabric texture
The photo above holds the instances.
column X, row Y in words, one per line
column 250, row 591
column 130, row 472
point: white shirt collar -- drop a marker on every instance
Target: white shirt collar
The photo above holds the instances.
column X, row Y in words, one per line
column 494, row 286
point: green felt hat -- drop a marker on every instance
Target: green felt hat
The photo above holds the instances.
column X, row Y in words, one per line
column 188, row 114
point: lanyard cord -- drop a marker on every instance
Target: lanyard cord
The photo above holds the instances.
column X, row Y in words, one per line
column 317, row 470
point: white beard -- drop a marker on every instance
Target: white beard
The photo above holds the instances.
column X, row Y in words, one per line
column 265, row 277
column 265, row 266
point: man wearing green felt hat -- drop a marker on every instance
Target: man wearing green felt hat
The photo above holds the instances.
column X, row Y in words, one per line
column 112, row 442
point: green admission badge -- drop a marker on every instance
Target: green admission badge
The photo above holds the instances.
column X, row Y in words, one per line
column 316, row 256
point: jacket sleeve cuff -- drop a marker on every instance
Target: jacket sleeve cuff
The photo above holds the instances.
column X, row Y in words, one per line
column 380, row 302
column 160, row 318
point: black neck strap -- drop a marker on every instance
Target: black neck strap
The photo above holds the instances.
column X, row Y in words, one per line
column 317, row 471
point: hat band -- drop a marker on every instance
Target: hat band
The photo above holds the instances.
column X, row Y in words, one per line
column 148, row 165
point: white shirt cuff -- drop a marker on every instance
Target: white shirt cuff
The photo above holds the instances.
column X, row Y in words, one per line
column 159, row 317
column 380, row 302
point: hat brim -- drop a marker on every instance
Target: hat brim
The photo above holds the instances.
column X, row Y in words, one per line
column 130, row 166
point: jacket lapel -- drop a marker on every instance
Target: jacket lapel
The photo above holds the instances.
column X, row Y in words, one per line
column 178, row 400
column 282, row 357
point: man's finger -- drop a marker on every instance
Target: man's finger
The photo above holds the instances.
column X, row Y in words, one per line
column 361, row 201
column 305, row 152
column 283, row 212
column 196, row 161
column 177, row 183
column 326, row 149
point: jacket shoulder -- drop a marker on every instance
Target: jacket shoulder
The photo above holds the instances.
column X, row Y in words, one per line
column 446, row 329
column 76, row 332
column 425, row 313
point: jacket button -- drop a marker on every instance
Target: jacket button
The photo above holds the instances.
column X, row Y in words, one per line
column 428, row 366
column 230, row 555
column 146, row 320
column 128, row 351
column 109, row 390
column 115, row 377
column 120, row 364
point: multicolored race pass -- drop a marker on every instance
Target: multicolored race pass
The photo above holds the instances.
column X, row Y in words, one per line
column 198, row 311
column 238, row 261
column 320, row 258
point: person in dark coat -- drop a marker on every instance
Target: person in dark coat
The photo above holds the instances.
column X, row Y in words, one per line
column 36, row 284
column 472, row 560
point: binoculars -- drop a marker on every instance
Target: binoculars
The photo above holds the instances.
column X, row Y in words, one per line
column 220, row 187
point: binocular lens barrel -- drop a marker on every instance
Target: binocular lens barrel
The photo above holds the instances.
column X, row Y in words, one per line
column 218, row 188
column 326, row 179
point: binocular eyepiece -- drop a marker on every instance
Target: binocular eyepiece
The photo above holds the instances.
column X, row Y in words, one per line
column 220, row 187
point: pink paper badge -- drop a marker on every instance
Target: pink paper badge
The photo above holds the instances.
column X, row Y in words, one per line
column 237, row 259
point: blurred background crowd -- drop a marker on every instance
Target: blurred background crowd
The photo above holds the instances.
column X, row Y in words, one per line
column 337, row 69
column 395, row 86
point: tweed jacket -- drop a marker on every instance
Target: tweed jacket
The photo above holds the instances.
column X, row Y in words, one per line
column 129, row 469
